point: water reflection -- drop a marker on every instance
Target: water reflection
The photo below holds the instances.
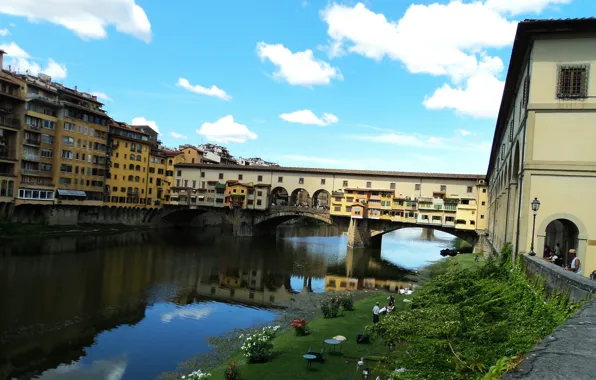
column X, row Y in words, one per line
column 98, row 306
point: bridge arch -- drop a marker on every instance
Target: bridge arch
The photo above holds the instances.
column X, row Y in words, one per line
column 470, row 236
column 321, row 198
column 280, row 214
column 280, row 196
column 300, row 197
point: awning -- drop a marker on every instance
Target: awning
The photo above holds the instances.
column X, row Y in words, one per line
column 71, row 193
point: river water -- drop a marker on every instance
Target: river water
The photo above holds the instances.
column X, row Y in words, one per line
column 133, row 305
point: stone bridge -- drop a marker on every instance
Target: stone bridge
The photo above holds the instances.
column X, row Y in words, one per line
column 362, row 233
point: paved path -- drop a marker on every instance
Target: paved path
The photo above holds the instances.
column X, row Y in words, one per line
column 569, row 353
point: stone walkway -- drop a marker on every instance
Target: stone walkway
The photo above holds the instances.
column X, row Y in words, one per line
column 569, row 353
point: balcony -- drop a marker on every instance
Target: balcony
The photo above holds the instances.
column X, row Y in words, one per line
column 6, row 153
column 30, row 171
column 30, row 157
column 32, row 127
column 35, row 142
column 44, row 99
column 10, row 122
column 10, row 91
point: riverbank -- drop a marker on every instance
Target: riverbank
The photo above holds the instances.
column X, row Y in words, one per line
column 19, row 230
column 225, row 348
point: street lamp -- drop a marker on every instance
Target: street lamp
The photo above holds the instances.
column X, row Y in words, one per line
column 535, row 208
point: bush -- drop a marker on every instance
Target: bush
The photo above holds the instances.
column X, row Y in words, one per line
column 196, row 375
column 330, row 308
column 257, row 347
column 299, row 325
column 346, row 302
column 462, row 322
column 232, row 372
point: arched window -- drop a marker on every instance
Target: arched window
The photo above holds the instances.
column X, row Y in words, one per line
column 137, row 179
column 170, row 162
column 132, row 156
column 138, row 168
column 131, row 167
column 131, row 178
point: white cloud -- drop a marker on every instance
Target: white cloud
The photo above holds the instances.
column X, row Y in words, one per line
column 86, row 18
column 226, row 130
column 177, row 135
column 300, row 68
column 309, row 118
column 311, row 159
column 102, row 96
column 20, row 61
column 475, row 85
column 198, row 89
column 4, row 32
column 196, row 314
column 463, row 132
column 142, row 121
column 516, row 7
column 421, row 141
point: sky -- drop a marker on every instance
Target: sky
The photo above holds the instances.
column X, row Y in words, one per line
column 370, row 85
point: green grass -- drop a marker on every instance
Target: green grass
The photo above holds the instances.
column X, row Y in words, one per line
column 287, row 361
column 466, row 261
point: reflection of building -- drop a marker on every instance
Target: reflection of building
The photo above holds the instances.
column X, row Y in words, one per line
column 544, row 141
column 342, row 283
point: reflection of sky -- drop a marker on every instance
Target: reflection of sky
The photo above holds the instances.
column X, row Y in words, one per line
column 113, row 369
column 153, row 347
column 406, row 249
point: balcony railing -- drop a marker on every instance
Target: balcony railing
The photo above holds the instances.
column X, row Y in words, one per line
column 10, row 122
column 30, row 157
column 34, row 127
column 33, row 141
column 44, row 99
column 29, row 171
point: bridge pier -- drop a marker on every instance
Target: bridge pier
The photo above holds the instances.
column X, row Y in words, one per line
column 360, row 235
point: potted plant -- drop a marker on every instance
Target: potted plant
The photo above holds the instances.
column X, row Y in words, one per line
column 299, row 325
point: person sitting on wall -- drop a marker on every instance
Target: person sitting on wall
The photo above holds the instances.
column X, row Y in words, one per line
column 576, row 264
column 547, row 253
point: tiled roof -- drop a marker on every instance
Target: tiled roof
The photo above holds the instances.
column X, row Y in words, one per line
column 331, row 171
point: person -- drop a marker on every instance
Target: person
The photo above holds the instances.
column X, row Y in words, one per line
column 576, row 264
column 558, row 250
column 546, row 253
column 391, row 305
column 376, row 311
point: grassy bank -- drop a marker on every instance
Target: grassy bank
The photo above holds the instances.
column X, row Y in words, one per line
column 287, row 361
column 15, row 230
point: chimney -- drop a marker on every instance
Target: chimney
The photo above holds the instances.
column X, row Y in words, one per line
column 2, row 52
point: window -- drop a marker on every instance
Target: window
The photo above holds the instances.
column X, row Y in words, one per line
column 64, row 168
column 67, row 154
column 345, row 184
column 260, row 178
column 301, row 181
column 69, row 127
column 392, row 185
column 35, row 194
column 259, row 193
column 483, row 203
column 469, row 189
column 417, row 186
column 49, row 124
column 259, row 202
column 337, row 208
column 280, row 179
column 194, row 184
column 185, row 183
column 240, row 177
column 368, row 185
column 511, row 130
column 443, row 188
column 573, row 81
column 179, row 173
column 526, row 93
column 322, row 181
column 65, row 181
column 221, row 176
column 481, row 216
column 250, row 202
column 46, row 167
column 177, row 183
column 68, row 140
column 202, row 174
column 472, row 222
column 47, row 139
column 47, row 153
column 484, row 190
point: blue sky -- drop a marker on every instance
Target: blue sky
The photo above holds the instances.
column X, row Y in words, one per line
column 377, row 84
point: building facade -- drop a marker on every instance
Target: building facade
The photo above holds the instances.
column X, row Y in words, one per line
column 543, row 143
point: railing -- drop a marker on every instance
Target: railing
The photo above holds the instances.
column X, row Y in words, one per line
column 4, row 173
column 30, row 157
column 43, row 99
column 10, row 122
column 311, row 210
column 33, row 141
column 7, row 92
column 34, row 127
column 7, row 153
column 29, row 171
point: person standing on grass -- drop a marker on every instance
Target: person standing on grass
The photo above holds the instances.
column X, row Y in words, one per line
column 376, row 311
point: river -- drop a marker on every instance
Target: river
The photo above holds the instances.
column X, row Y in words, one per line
column 132, row 305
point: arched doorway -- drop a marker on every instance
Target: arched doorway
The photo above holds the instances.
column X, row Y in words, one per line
column 563, row 232
column 321, row 199
column 279, row 196
column 300, row 197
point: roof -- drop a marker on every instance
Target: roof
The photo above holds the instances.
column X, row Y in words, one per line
column 258, row 168
column 527, row 31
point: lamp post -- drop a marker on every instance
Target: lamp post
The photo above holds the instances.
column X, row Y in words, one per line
column 535, row 207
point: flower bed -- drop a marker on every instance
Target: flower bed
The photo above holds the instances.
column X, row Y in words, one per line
column 257, row 347
column 196, row 375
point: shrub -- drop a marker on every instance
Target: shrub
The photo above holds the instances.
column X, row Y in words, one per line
column 257, row 347
column 346, row 302
column 330, row 308
column 299, row 325
column 232, row 372
column 196, row 375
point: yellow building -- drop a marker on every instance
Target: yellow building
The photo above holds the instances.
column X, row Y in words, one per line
column 131, row 181
column 544, row 142
column 12, row 103
column 185, row 154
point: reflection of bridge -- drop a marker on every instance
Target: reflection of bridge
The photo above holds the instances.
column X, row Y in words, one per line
column 361, row 232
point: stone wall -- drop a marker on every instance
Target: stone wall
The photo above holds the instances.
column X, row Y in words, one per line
column 556, row 278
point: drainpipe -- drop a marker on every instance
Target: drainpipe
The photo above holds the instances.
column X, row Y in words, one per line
column 522, row 159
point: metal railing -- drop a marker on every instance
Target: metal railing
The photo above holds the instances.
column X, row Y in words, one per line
column 312, row 210
column 10, row 122
column 30, row 157
column 33, row 141
column 29, row 171
column 7, row 153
